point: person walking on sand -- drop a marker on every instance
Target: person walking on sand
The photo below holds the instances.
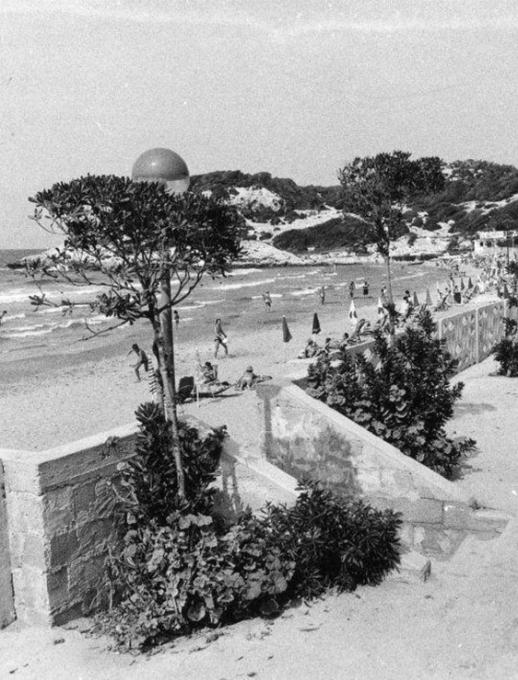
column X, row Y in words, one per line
column 352, row 286
column 267, row 299
column 142, row 360
column 322, row 295
column 220, row 338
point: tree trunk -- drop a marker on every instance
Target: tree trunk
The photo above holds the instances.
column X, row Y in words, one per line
column 167, row 371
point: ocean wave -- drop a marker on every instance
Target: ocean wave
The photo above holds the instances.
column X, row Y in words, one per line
column 244, row 272
column 305, row 291
column 410, row 276
column 44, row 328
column 248, row 284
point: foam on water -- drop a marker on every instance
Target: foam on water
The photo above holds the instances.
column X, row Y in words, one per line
column 236, row 286
column 305, row 291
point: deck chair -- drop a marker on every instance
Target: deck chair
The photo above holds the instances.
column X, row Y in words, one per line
column 185, row 389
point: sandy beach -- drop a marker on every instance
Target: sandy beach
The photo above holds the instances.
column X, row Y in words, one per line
column 48, row 403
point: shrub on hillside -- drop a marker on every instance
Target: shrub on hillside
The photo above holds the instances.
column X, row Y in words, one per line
column 402, row 394
column 333, row 234
column 179, row 568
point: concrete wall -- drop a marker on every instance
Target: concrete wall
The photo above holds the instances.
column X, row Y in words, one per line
column 6, row 588
column 61, row 520
column 471, row 334
column 306, row 438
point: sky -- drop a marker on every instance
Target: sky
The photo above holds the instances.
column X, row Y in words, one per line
column 295, row 88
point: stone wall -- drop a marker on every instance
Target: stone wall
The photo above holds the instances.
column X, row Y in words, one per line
column 306, row 438
column 61, row 520
column 6, row 588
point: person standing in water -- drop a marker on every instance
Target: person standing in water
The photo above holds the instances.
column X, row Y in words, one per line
column 352, row 286
column 2, row 316
column 322, row 294
column 220, row 338
column 365, row 288
column 176, row 318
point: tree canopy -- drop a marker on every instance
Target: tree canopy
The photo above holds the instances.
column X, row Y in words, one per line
column 377, row 188
column 133, row 232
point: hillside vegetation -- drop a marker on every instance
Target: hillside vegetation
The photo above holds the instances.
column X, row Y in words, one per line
column 478, row 195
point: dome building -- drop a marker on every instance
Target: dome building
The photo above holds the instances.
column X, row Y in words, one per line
column 162, row 165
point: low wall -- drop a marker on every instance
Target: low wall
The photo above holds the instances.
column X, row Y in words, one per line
column 61, row 520
column 470, row 335
column 306, row 438
column 6, row 587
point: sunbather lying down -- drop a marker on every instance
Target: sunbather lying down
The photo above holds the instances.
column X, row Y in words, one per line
column 249, row 379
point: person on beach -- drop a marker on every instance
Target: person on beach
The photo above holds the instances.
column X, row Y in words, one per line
column 310, row 350
column 142, row 360
column 267, row 299
column 352, row 286
column 322, row 294
column 208, row 373
column 247, row 380
column 2, row 316
column 220, row 339
column 176, row 318
column 383, row 295
column 365, row 288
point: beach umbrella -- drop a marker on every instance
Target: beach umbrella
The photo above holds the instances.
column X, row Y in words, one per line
column 416, row 300
column 428, row 298
column 353, row 316
column 316, row 324
column 286, row 335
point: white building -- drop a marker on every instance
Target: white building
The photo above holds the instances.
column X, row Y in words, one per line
column 496, row 242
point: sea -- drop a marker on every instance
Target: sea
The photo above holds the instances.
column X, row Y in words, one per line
column 27, row 332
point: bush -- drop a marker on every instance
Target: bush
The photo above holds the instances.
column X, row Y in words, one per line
column 333, row 542
column 178, row 569
column 506, row 351
column 402, row 395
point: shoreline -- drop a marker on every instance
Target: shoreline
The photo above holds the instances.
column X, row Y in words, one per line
column 73, row 395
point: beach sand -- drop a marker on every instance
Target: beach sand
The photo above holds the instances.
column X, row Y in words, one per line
column 51, row 402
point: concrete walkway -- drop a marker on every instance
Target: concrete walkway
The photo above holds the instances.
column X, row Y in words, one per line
column 488, row 412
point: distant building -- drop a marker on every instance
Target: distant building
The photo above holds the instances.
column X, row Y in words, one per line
column 496, row 242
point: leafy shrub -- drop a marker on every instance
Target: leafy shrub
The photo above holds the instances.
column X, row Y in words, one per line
column 178, row 569
column 331, row 235
column 506, row 351
column 333, row 542
column 149, row 478
column 402, row 394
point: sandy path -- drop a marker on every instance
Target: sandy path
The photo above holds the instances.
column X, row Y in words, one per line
column 489, row 408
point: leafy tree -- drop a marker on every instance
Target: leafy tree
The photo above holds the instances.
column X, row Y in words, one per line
column 145, row 248
column 378, row 188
